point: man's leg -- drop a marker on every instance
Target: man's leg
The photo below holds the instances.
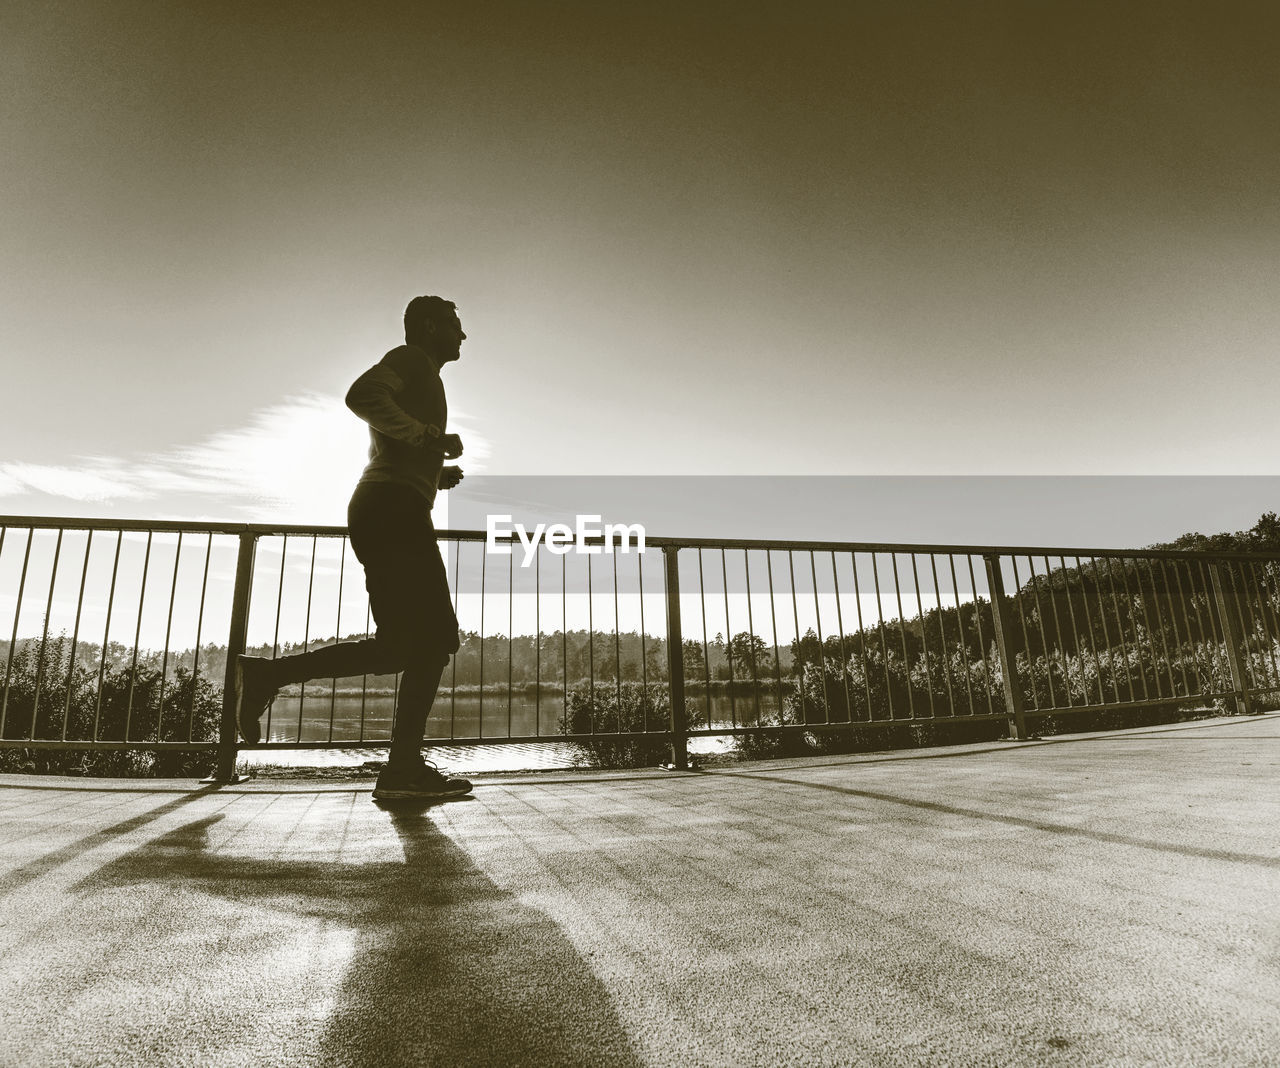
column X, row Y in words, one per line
column 418, row 688
column 259, row 677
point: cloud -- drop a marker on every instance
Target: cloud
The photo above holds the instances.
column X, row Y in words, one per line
column 75, row 483
column 293, row 462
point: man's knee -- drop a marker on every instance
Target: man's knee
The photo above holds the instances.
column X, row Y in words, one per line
column 400, row 649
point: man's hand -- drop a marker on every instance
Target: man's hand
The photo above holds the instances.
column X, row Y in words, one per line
column 451, row 446
column 449, row 477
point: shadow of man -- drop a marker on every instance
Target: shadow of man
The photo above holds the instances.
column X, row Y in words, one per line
column 446, row 969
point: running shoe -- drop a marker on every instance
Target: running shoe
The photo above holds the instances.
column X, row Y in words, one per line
column 417, row 782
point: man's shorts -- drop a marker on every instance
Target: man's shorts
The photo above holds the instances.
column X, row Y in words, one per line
column 395, row 541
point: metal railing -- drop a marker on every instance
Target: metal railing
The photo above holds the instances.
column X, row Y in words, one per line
column 123, row 635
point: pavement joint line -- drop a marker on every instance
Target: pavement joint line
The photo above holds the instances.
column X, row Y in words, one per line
column 1019, row 821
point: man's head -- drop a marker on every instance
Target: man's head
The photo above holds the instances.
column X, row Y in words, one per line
column 432, row 323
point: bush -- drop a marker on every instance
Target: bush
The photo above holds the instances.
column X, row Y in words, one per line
column 126, row 706
column 623, row 707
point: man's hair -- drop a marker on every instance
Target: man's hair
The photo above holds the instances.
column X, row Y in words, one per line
column 422, row 310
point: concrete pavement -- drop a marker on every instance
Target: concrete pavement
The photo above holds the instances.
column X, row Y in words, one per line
column 1107, row 899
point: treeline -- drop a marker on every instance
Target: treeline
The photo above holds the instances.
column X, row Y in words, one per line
column 51, row 697
column 552, row 659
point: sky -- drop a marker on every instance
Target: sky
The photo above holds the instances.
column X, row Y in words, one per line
column 694, row 238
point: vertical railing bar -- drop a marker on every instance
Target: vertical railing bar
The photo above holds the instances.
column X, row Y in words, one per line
column 679, row 723
column 364, row 679
column 862, row 636
column 617, row 637
column 564, row 628
column 337, row 631
column 591, row 647
column 44, row 636
column 1146, row 616
column 706, row 644
column 960, row 643
column 1164, row 641
column 728, row 639
column 484, row 562
column 237, row 640
column 644, row 652
column 751, row 630
column 168, row 633
column 1057, row 623
column 306, row 631
column 902, row 631
column 942, row 631
column 1203, row 631
column 137, row 638
column 1088, row 624
column 1075, row 630
column 4, row 530
column 924, row 638
column 75, row 633
column 1013, row 694
column 1248, row 627
column 795, row 613
column 1044, row 636
column 1106, row 634
column 1026, row 634
column 537, row 642
column 17, row 610
column 1185, row 600
column 1128, row 594
column 17, row 614
column 884, row 642
column 1234, row 637
column 453, row 671
column 1124, row 648
column 275, row 640
column 773, row 622
column 1265, row 621
column 844, row 666
column 1173, row 622
column 822, row 644
column 195, row 656
column 511, row 633
column 1268, row 576
column 106, row 634
column 1238, row 595
column 1261, row 625
column 1217, row 635
column 982, row 641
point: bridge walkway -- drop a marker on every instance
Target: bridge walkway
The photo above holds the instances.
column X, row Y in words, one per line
column 1087, row 899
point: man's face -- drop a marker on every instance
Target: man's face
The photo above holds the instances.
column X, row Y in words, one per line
column 449, row 337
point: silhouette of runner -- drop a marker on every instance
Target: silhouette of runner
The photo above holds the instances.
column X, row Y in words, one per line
column 389, row 519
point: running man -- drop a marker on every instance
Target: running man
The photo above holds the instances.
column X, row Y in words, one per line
column 389, row 519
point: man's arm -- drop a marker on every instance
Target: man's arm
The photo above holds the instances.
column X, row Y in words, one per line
column 373, row 397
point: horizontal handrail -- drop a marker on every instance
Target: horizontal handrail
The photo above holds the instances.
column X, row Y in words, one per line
column 658, row 541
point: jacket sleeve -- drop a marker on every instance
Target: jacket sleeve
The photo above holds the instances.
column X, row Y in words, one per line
column 373, row 397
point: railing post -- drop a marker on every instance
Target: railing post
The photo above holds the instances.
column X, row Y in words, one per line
column 1012, row 691
column 227, row 731
column 1228, row 612
column 675, row 659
